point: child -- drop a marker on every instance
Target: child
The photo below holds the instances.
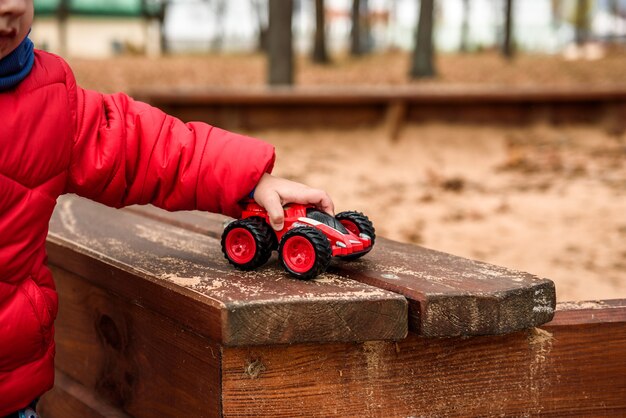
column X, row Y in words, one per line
column 57, row 138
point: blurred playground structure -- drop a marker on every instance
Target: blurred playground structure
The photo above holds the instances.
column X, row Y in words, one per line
column 99, row 28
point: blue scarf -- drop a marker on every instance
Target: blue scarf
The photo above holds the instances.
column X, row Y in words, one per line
column 17, row 65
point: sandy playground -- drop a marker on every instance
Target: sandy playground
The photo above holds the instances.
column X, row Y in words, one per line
column 547, row 201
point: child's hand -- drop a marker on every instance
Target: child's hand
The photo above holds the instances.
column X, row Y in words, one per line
column 274, row 192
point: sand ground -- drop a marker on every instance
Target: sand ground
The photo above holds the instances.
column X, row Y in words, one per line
column 539, row 199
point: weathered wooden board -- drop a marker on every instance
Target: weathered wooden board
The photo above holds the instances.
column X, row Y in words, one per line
column 210, row 224
column 574, row 366
column 455, row 296
column 183, row 275
column 151, row 325
column 134, row 359
column 69, row 398
column 590, row 312
column 448, row 295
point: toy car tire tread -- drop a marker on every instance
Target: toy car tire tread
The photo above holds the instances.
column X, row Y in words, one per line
column 320, row 245
column 364, row 226
column 261, row 234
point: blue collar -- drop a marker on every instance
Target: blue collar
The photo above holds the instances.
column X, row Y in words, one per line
column 17, row 65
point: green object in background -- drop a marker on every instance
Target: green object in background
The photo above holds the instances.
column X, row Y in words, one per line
column 46, row 7
column 130, row 8
column 106, row 7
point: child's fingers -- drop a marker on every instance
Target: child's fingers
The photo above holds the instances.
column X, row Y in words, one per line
column 273, row 205
column 323, row 201
column 326, row 204
column 316, row 197
column 274, row 192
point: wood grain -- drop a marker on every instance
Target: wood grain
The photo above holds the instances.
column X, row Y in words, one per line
column 455, row 296
column 69, row 398
column 448, row 295
column 138, row 361
column 590, row 312
column 165, row 268
column 569, row 368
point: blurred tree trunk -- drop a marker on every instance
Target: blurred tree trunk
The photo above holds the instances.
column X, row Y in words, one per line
column 615, row 13
column 582, row 21
column 280, row 49
column 508, row 44
column 62, row 14
column 423, row 54
column 219, row 13
column 164, row 46
column 393, row 19
column 150, row 16
column 320, row 54
column 153, row 11
column 366, row 33
column 360, row 33
column 355, row 33
column 260, row 9
column 464, row 47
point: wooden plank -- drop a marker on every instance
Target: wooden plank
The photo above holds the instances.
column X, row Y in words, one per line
column 209, row 224
column 310, row 107
column 571, row 367
column 454, row 296
column 448, row 295
column 136, row 360
column 589, row 312
column 69, row 398
column 261, row 116
column 381, row 94
column 183, row 275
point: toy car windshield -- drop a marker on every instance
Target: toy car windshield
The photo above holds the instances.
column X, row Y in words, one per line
column 326, row 219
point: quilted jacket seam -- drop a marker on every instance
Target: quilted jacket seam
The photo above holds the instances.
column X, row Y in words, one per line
column 33, row 304
column 35, row 188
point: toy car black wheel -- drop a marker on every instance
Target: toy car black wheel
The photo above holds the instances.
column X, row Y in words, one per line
column 359, row 225
column 247, row 243
column 305, row 252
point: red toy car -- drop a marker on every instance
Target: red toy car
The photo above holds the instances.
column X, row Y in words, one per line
column 306, row 244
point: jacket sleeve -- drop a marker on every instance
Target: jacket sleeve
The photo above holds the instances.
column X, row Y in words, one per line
column 126, row 152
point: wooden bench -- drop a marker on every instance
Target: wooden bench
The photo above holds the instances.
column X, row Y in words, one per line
column 256, row 108
column 154, row 323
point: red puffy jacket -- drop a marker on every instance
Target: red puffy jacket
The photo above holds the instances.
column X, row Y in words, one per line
column 57, row 138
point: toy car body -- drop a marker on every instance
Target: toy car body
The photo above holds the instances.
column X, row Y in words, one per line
column 306, row 244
